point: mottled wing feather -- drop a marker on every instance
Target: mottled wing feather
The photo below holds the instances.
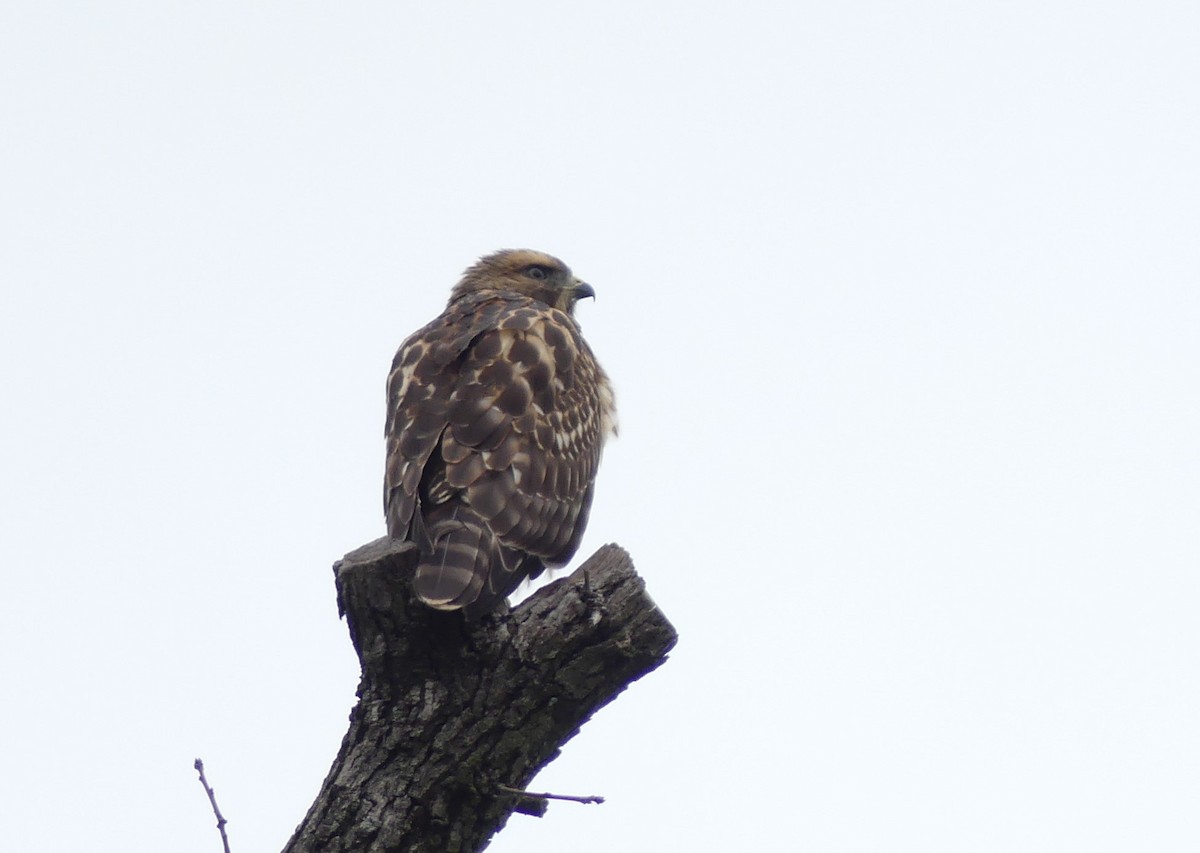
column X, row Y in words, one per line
column 525, row 430
column 418, row 391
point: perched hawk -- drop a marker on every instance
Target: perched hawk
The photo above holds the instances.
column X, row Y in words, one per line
column 496, row 415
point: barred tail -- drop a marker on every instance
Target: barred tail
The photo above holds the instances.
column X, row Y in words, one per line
column 467, row 568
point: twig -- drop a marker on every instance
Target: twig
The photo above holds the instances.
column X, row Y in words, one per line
column 212, row 798
column 506, row 789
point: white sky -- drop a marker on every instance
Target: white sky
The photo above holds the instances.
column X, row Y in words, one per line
column 901, row 302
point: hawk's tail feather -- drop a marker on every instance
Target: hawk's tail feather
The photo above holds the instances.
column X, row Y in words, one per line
column 467, row 568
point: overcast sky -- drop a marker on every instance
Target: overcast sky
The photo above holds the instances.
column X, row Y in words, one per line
column 901, row 304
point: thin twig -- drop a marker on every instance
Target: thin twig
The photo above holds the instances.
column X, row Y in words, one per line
column 506, row 789
column 212, row 798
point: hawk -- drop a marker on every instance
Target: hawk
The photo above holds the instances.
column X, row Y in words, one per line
column 496, row 415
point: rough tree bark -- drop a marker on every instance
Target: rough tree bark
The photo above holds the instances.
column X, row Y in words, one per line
column 450, row 714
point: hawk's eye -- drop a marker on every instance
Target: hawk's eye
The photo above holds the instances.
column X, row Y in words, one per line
column 537, row 272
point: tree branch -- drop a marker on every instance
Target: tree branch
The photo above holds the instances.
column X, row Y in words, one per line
column 452, row 714
column 212, row 799
column 529, row 795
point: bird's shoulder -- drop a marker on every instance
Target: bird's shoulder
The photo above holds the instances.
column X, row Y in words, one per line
column 486, row 327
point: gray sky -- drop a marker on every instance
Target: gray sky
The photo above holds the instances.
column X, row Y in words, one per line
column 901, row 304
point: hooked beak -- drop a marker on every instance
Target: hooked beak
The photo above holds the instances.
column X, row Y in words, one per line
column 582, row 289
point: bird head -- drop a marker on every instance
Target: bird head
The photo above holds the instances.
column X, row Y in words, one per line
column 534, row 274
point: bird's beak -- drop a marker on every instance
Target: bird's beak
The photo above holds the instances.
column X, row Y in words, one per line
column 582, row 289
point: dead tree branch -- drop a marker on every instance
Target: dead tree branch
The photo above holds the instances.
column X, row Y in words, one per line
column 212, row 799
column 454, row 719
